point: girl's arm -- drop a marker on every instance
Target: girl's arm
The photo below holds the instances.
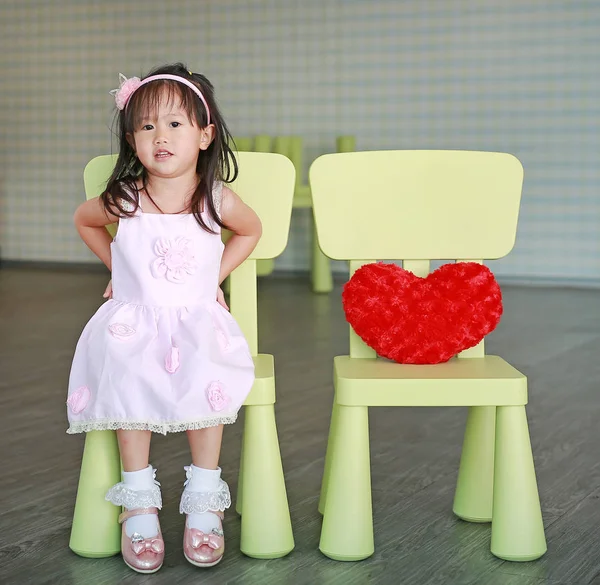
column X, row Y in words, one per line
column 246, row 228
column 90, row 220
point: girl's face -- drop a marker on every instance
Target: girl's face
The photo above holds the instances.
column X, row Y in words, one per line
column 167, row 142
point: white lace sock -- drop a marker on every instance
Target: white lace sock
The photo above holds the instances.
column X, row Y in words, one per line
column 147, row 524
column 204, row 480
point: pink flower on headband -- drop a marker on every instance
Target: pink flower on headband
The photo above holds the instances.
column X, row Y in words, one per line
column 128, row 86
column 126, row 89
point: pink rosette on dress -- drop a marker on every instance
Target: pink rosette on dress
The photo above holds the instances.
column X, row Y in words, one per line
column 121, row 330
column 172, row 361
column 216, row 396
column 175, row 259
column 79, row 399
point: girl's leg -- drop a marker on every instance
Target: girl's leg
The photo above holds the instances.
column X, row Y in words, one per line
column 134, row 447
column 138, row 475
column 204, row 481
column 205, row 446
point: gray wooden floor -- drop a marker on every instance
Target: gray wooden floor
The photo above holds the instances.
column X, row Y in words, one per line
column 552, row 335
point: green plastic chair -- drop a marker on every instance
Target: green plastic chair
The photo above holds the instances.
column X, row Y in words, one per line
column 266, row 530
column 345, row 143
column 292, row 147
column 426, row 205
column 242, row 143
column 263, row 143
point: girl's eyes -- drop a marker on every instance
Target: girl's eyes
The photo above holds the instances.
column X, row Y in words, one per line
column 151, row 127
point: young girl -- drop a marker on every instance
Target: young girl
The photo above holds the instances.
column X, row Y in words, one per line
column 163, row 354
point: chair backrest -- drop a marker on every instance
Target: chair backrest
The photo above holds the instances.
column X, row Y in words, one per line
column 266, row 183
column 96, row 175
column 293, row 148
column 415, row 206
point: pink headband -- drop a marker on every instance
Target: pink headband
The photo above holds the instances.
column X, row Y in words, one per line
column 128, row 86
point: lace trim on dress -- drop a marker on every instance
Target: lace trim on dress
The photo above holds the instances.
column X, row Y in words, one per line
column 217, row 195
column 127, row 205
column 156, row 427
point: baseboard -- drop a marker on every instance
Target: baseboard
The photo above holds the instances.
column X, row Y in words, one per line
column 339, row 277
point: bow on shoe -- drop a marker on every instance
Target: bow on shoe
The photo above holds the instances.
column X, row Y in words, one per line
column 199, row 538
column 154, row 545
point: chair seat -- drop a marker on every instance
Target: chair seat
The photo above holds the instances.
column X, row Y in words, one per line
column 486, row 381
column 302, row 197
column 263, row 390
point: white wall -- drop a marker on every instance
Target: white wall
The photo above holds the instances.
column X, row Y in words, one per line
column 520, row 76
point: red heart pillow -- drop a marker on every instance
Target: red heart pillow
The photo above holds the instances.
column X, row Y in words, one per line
column 414, row 320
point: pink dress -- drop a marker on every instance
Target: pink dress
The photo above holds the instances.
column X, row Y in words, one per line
column 162, row 354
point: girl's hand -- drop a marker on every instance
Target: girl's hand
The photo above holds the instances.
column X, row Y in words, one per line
column 221, row 299
column 108, row 292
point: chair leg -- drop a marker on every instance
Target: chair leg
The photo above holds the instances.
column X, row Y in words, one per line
column 266, row 525
column 328, row 457
column 475, row 485
column 322, row 281
column 517, row 526
column 95, row 532
column 240, row 485
column 347, row 532
column 265, row 267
